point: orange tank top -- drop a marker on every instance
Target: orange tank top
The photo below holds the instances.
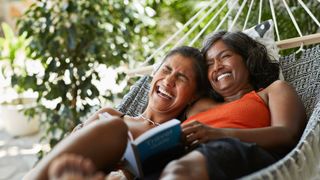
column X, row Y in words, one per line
column 250, row 111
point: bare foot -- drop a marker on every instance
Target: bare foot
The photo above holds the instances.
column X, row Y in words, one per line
column 73, row 167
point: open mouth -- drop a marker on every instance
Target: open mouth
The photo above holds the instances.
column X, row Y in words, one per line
column 224, row 75
column 163, row 93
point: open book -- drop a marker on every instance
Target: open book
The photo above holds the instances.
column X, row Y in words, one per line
column 155, row 145
column 156, row 142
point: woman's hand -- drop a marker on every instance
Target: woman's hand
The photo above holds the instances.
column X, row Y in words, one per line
column 196, row 133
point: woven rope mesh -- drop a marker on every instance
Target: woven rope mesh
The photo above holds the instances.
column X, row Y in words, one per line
column 136, row 100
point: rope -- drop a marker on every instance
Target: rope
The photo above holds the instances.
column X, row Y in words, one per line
column 292, row 18
column 201, row 32
column 237, row 15
column 260, row 11
column 274, row 19
column 248, row 14
column 309, row 12
column 210, row 21
column 226, row 16
column 294, row 168
column 309, row 158
column 300, row 162
column 175, row 34
column 181, row 41
column 279, row 174
column 196, row 25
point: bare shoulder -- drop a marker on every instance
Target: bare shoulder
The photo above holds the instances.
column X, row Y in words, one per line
column 201, row 105
column 278, row 87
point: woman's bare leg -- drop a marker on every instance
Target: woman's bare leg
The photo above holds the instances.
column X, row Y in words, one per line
column 190, row 166
column 103, row 142
column 73, row 167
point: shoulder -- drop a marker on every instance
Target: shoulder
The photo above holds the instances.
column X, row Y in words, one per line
column 276, row 89
column 279, row 84
column 201, row 105
column 280, row 92
column 280, row 87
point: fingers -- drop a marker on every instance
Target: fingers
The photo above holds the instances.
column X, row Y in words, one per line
column 195, row 133
column 189, row 124
column 190, row 127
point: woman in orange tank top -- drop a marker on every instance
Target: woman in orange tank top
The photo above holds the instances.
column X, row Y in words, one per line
column 254, row 119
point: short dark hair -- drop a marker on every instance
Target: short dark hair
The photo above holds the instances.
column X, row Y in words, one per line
column 200, row 66
column 262, row 70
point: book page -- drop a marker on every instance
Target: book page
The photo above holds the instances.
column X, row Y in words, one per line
column 132, row 160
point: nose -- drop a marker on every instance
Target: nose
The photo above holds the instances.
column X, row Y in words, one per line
column 169, row 80
column 217, row 66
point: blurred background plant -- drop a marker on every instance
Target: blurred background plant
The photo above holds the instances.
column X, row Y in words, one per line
column 15, row 56
column 76, row 41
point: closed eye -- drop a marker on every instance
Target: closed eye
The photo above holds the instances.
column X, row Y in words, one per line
column 209, row 63
column 225, row 56
column 166, row 70
column 182, row 77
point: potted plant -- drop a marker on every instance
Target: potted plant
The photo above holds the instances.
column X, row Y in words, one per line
column 15, row 100
column 74, row 40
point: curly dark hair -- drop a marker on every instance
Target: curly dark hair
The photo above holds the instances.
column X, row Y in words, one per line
column 262, row 70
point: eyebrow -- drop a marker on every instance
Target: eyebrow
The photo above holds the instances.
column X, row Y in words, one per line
column 178, row 73
column 183, row 75
column 167, row 67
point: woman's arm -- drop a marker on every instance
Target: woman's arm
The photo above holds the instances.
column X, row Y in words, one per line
column 288, row 120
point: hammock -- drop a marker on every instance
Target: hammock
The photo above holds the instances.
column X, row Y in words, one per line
column 302, row 73
column 303, row 161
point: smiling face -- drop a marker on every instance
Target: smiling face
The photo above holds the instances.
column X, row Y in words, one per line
column 173, row 86
column 227, row 71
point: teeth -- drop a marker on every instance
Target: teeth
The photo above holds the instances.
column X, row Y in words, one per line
column 165, row 92
column 223, row 75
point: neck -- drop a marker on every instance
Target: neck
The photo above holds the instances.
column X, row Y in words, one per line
column 157, row 118
column 149, row 121
column 238, row 95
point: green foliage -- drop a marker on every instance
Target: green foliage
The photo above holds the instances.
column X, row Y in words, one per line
column 285, row 25
column 72, row 39
column 14, row 53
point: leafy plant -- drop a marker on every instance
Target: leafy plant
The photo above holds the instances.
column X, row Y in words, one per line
column 14, row 57
column 72, row 39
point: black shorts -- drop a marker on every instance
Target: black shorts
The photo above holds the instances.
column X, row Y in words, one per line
column 229, row 158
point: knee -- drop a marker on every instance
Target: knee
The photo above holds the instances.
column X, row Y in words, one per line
column 190, row 166
column 177, row 169
column 114, row 127
column 115, row 123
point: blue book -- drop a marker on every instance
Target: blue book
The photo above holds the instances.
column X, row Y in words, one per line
column 155, row 141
